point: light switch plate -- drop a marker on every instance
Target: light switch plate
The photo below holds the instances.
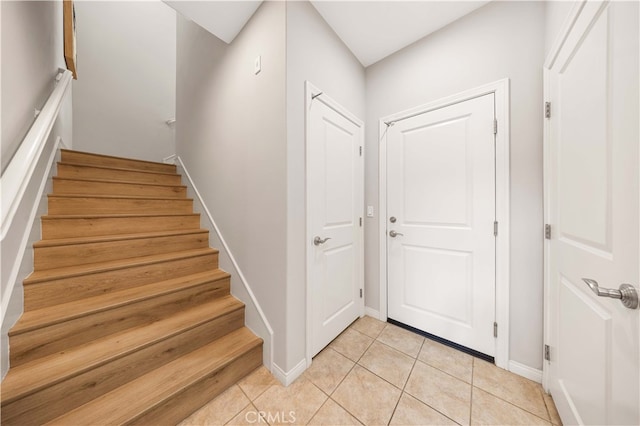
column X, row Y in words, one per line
column 369, row 211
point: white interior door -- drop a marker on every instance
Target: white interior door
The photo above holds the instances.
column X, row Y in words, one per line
column 335, row 176
column 592, row 195
column 440, row 222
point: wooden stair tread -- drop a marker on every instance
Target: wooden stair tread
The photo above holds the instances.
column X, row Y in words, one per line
column 139, row 396
column 114, row 237
column 50, row 315
column 113, row 215
column 121, row 169
column 117, row 197
column 33, row 376
column 92, row 268
column 126, row 182
column 113, row 157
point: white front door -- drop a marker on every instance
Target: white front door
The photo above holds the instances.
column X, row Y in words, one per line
column 335, row 190
column 592, row 197
column 440, row 222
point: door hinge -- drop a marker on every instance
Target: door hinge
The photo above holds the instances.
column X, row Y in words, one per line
column 547, row 110
column 495, row 329
column 547, row 231
column 495, row 126
column 360, row 151
column 495, row 228
column 360, row 221
column 547, row 353
column 360, row 293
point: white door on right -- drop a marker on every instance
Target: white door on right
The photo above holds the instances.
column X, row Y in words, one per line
column 593, row 190
column 440, row 224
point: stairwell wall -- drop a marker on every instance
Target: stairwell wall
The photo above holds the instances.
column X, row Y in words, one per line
column 125, row 91
column 231, row 136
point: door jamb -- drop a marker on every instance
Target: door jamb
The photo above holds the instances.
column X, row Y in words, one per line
column 311, row 94
column 500, row 89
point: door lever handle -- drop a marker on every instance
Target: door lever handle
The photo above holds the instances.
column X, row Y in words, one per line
column 317, row 240
column 394, row 234
column 626, row 293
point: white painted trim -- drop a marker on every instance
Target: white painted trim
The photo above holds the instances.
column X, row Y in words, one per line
column 15, row 269
column 170, row 159
column 371, row 312
column 525, row 371
column 237, row 271
column 500, row 89
column 311, row 90
column 17, row 175
column 286, row 378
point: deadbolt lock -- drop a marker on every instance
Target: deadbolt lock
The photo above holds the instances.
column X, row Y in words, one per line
column 392, row 219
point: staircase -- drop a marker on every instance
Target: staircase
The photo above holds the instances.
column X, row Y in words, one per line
column 127, row 318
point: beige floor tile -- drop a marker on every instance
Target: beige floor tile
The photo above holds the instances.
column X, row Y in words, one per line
column 445, row 393
column 248, row 416
column 487, row 409
column 410, row 411
column 388, row 363
column 369, row 326
column 297, row 403
column 366, row 396
column 401, row 339
column 515, row 389
column 257, row 382
column 328, row 369
column 351, row 343
column 220, row 410
column 551, row 408
column 447, row 359
column 331, row 414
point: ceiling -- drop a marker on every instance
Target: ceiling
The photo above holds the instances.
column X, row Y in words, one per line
column 371, row 29
column 374, row 30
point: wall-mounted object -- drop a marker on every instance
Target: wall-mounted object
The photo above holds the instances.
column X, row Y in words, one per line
column 69, row 24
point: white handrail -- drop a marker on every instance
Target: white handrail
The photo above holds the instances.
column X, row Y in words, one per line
column 17, row 175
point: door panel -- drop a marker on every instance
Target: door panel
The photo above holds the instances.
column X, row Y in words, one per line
column 593, row 187
column 441, row 190
column 334, row 201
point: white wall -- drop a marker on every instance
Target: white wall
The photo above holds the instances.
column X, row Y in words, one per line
column 499, row 40
column 125, row 90
column 314, row 53
column 231, row 136
column 32, row 52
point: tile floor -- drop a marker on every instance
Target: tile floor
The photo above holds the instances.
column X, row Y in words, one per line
column 375, row 373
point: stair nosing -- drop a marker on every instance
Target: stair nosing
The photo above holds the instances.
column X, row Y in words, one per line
column 234, row 305
column 73, row 151
column 115, row 237
column 199, row 373
column 113, row 265
column 197, row 279
column 123, row 182
column 123, row 169
column 116, row 197
column 113, row 215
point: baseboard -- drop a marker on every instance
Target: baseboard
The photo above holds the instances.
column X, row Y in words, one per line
column 525, row 371
column 371, row 312
column 286, row 378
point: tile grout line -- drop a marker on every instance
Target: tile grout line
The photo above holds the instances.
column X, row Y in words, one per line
column 402, row 392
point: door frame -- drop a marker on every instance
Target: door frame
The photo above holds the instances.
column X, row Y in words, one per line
column 314, row 94
column 500, row 89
